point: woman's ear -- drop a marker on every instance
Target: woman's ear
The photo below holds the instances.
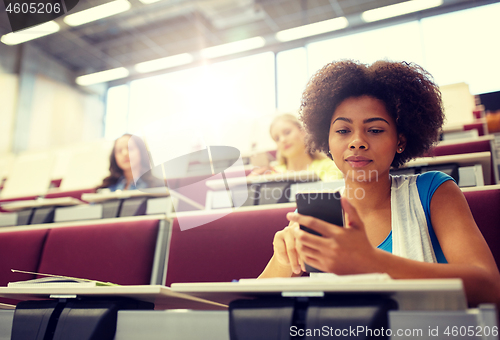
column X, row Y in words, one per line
column 401, row 143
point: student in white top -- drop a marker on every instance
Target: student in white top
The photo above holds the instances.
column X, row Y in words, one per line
column 369, row 118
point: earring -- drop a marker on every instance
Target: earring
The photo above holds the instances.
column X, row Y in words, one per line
column 329, row 152
column 400, row 149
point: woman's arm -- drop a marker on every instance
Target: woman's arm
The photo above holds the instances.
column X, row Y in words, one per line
column 348, row 251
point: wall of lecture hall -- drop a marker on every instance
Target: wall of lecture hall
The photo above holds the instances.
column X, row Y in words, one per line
column 42, row 108
column 8, row 95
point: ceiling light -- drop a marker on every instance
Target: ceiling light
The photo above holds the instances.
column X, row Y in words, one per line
column 97, row 12
column 147, row 2
column 102, row 77
column 312, row 29
column 399, row 9
column 234, row 47
column 30, row 33
column 163, row 63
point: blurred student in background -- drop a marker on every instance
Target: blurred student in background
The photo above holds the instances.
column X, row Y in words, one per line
column 292, row 153
column 129, row 157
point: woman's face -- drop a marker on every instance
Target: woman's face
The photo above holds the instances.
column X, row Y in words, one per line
column 363, row 138
column 127, row 153
column 289, row 138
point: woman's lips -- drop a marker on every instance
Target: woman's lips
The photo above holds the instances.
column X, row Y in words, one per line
column 358, row 162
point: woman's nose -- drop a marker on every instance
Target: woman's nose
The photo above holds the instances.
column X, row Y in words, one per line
column 358, row 143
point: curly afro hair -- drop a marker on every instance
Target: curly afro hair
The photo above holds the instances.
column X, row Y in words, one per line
column 410, row 95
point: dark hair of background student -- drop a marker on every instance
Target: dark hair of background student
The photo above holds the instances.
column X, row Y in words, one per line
column 116, row 172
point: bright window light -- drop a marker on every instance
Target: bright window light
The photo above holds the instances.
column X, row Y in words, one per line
column 102, row 77
column 234, row 47
column 163, row 63
column 117, row 106
column 312, row 29
column 97, row 12
column 399, row 9
column 30, row 33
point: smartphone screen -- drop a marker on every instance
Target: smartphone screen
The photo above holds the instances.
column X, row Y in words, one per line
column 323, row 205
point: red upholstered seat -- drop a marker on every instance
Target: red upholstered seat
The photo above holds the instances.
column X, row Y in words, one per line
column 479, row 126
column 20, row 250
column 459, row 148
column 118, row 252
column 237, row 245
column 74, row 193
column 485, row 207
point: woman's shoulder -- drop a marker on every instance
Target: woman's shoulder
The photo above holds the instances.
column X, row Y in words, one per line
column 279, row 167
column 431, row 180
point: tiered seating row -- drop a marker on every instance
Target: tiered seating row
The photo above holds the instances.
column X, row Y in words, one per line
column 225, row 244
column 123, row 251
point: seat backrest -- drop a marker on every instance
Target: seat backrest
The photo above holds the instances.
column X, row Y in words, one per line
column 479, row 126
column 237, row 245
column 20, row 250
column 116, row 251
column 29, row 175
column 480, row 145
column 485, row 207
column 73, row 193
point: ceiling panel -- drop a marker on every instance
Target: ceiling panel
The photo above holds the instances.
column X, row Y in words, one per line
column 170, row 27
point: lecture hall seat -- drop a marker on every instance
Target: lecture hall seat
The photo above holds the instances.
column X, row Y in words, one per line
column 72, row 193
column 484, row 204
column 112, row 251
column 479, row 126
column 20, row 250
column 237, row 245
column 472, row 146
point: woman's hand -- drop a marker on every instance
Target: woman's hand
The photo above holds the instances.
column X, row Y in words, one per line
column 284, row 248
column 340, row 250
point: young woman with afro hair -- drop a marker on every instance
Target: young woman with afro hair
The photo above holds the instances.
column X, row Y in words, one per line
column 369, row 119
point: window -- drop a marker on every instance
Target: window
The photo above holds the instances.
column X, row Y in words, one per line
column 463, row 47
column 396, row 43
column 292, row 77
column 116, row 112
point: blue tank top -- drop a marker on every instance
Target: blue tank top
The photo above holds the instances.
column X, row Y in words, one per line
column 427, row 183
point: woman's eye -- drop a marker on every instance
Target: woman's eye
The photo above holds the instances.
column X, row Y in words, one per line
column 342, row 131
column 376, row 131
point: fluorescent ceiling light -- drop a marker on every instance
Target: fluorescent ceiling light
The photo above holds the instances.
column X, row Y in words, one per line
column 147, row 2
column 234, row 47
column 102, row 77
column 97, row 12
column 30, row 33
column 399, row 9
column 163, row 63
column 312, row 29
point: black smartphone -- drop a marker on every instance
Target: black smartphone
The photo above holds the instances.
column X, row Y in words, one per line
column 324, row 205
